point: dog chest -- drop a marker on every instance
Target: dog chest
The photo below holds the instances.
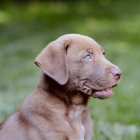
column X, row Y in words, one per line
column 75, row 118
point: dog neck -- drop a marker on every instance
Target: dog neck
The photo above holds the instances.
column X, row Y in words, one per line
column 67, row 95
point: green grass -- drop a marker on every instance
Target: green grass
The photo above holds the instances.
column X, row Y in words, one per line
column 25, row 29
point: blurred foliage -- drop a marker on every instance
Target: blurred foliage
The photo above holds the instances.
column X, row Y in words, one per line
column 26, row 27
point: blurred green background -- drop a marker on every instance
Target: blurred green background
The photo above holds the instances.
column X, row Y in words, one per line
column 26, row 27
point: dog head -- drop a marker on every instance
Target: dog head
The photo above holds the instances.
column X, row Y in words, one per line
column 79, row 61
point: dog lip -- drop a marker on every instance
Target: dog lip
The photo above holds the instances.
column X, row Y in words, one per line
column 95, row 90
column 103, row 93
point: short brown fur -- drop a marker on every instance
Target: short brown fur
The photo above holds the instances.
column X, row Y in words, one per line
column 57, row 109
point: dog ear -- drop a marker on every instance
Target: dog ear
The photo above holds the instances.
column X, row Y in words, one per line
column 53, row 62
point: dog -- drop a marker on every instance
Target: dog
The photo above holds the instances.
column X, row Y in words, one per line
column 73, row 69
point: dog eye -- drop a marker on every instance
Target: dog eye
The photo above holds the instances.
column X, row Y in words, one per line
column 104, row 53
column 87, row 57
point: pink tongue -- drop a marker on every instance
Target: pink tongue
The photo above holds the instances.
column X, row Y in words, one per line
column 102, row 94
column 108, row 90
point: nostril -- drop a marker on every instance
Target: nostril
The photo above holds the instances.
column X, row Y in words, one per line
column 116, row 73
column 117, row 76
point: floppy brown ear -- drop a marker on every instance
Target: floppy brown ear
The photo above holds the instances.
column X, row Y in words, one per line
column 52, row 61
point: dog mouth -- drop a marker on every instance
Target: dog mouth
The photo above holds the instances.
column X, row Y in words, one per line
column 104, row 93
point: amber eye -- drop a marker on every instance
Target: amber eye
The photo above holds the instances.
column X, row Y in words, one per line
column 88, row 57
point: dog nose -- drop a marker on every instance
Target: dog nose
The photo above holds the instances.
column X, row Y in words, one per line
column 116, row 72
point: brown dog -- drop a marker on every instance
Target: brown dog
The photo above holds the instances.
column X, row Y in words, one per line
column 74, row 68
